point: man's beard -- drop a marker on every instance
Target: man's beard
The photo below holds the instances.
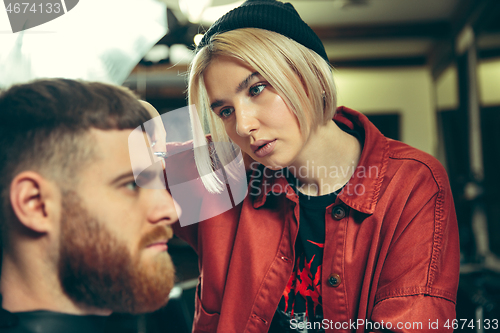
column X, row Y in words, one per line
column 96, row 270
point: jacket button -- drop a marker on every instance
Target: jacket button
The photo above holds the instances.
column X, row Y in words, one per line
column 334, row 280
column 338, row 212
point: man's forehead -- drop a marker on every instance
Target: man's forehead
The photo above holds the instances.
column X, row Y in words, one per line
column 104, row 138
column 111, row 149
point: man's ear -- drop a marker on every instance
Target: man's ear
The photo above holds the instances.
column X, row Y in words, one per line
column 36, row 201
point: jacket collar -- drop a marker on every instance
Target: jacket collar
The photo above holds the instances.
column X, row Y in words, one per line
column 363, row 189
column 264, row 181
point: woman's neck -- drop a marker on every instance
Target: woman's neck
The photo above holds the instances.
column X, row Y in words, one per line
column 327, row 161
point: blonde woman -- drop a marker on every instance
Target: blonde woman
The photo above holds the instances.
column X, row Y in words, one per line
column 343, row 230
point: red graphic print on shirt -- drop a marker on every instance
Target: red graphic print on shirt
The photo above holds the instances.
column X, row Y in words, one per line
column 304, row 283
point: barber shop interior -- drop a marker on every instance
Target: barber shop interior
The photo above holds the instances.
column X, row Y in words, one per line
column 406, row 240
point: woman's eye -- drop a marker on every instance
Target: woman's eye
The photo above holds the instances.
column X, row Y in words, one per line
column 224, row 113
column 256, row 90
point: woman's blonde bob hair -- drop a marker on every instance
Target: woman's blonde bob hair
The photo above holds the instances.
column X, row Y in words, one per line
column 300, row 76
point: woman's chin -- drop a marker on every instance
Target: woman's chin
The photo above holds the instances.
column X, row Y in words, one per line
column 273, row 166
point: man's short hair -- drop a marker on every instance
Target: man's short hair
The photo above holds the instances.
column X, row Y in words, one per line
column 44, row 127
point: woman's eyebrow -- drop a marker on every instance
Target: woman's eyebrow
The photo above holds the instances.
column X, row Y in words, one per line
column 242, row 86
column 216, row 104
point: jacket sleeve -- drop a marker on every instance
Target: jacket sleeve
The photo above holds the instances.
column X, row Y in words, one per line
column 419, row 280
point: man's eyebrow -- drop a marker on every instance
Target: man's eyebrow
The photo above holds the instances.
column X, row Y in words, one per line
column 242, row 86
column 143, row 177
column 125, row 175
column 147, row 176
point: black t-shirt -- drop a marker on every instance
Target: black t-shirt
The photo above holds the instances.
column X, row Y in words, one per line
column 301, row 301
column 300, row 308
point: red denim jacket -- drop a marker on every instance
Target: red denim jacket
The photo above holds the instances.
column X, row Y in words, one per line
column 391, row 253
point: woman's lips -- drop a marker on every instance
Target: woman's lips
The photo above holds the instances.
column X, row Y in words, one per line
column 262, row 148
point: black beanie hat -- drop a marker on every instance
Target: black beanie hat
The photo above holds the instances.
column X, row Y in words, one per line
column 269, row 15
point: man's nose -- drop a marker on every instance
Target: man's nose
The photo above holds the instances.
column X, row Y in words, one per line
column 164, row 210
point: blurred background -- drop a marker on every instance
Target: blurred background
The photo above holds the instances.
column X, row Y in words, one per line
column 426, row 72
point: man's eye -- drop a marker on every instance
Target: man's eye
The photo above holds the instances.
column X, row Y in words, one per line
column 224, row 113
column 132, row 186
column 256, row 90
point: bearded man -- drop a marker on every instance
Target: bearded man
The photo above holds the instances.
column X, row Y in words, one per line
column 79, row 238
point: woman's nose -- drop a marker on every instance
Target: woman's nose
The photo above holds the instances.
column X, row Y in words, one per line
column 246, row 121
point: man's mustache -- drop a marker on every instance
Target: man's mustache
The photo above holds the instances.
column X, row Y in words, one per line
column 158, row 234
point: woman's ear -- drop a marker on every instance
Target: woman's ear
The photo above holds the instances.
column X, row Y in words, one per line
column 36, row 201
